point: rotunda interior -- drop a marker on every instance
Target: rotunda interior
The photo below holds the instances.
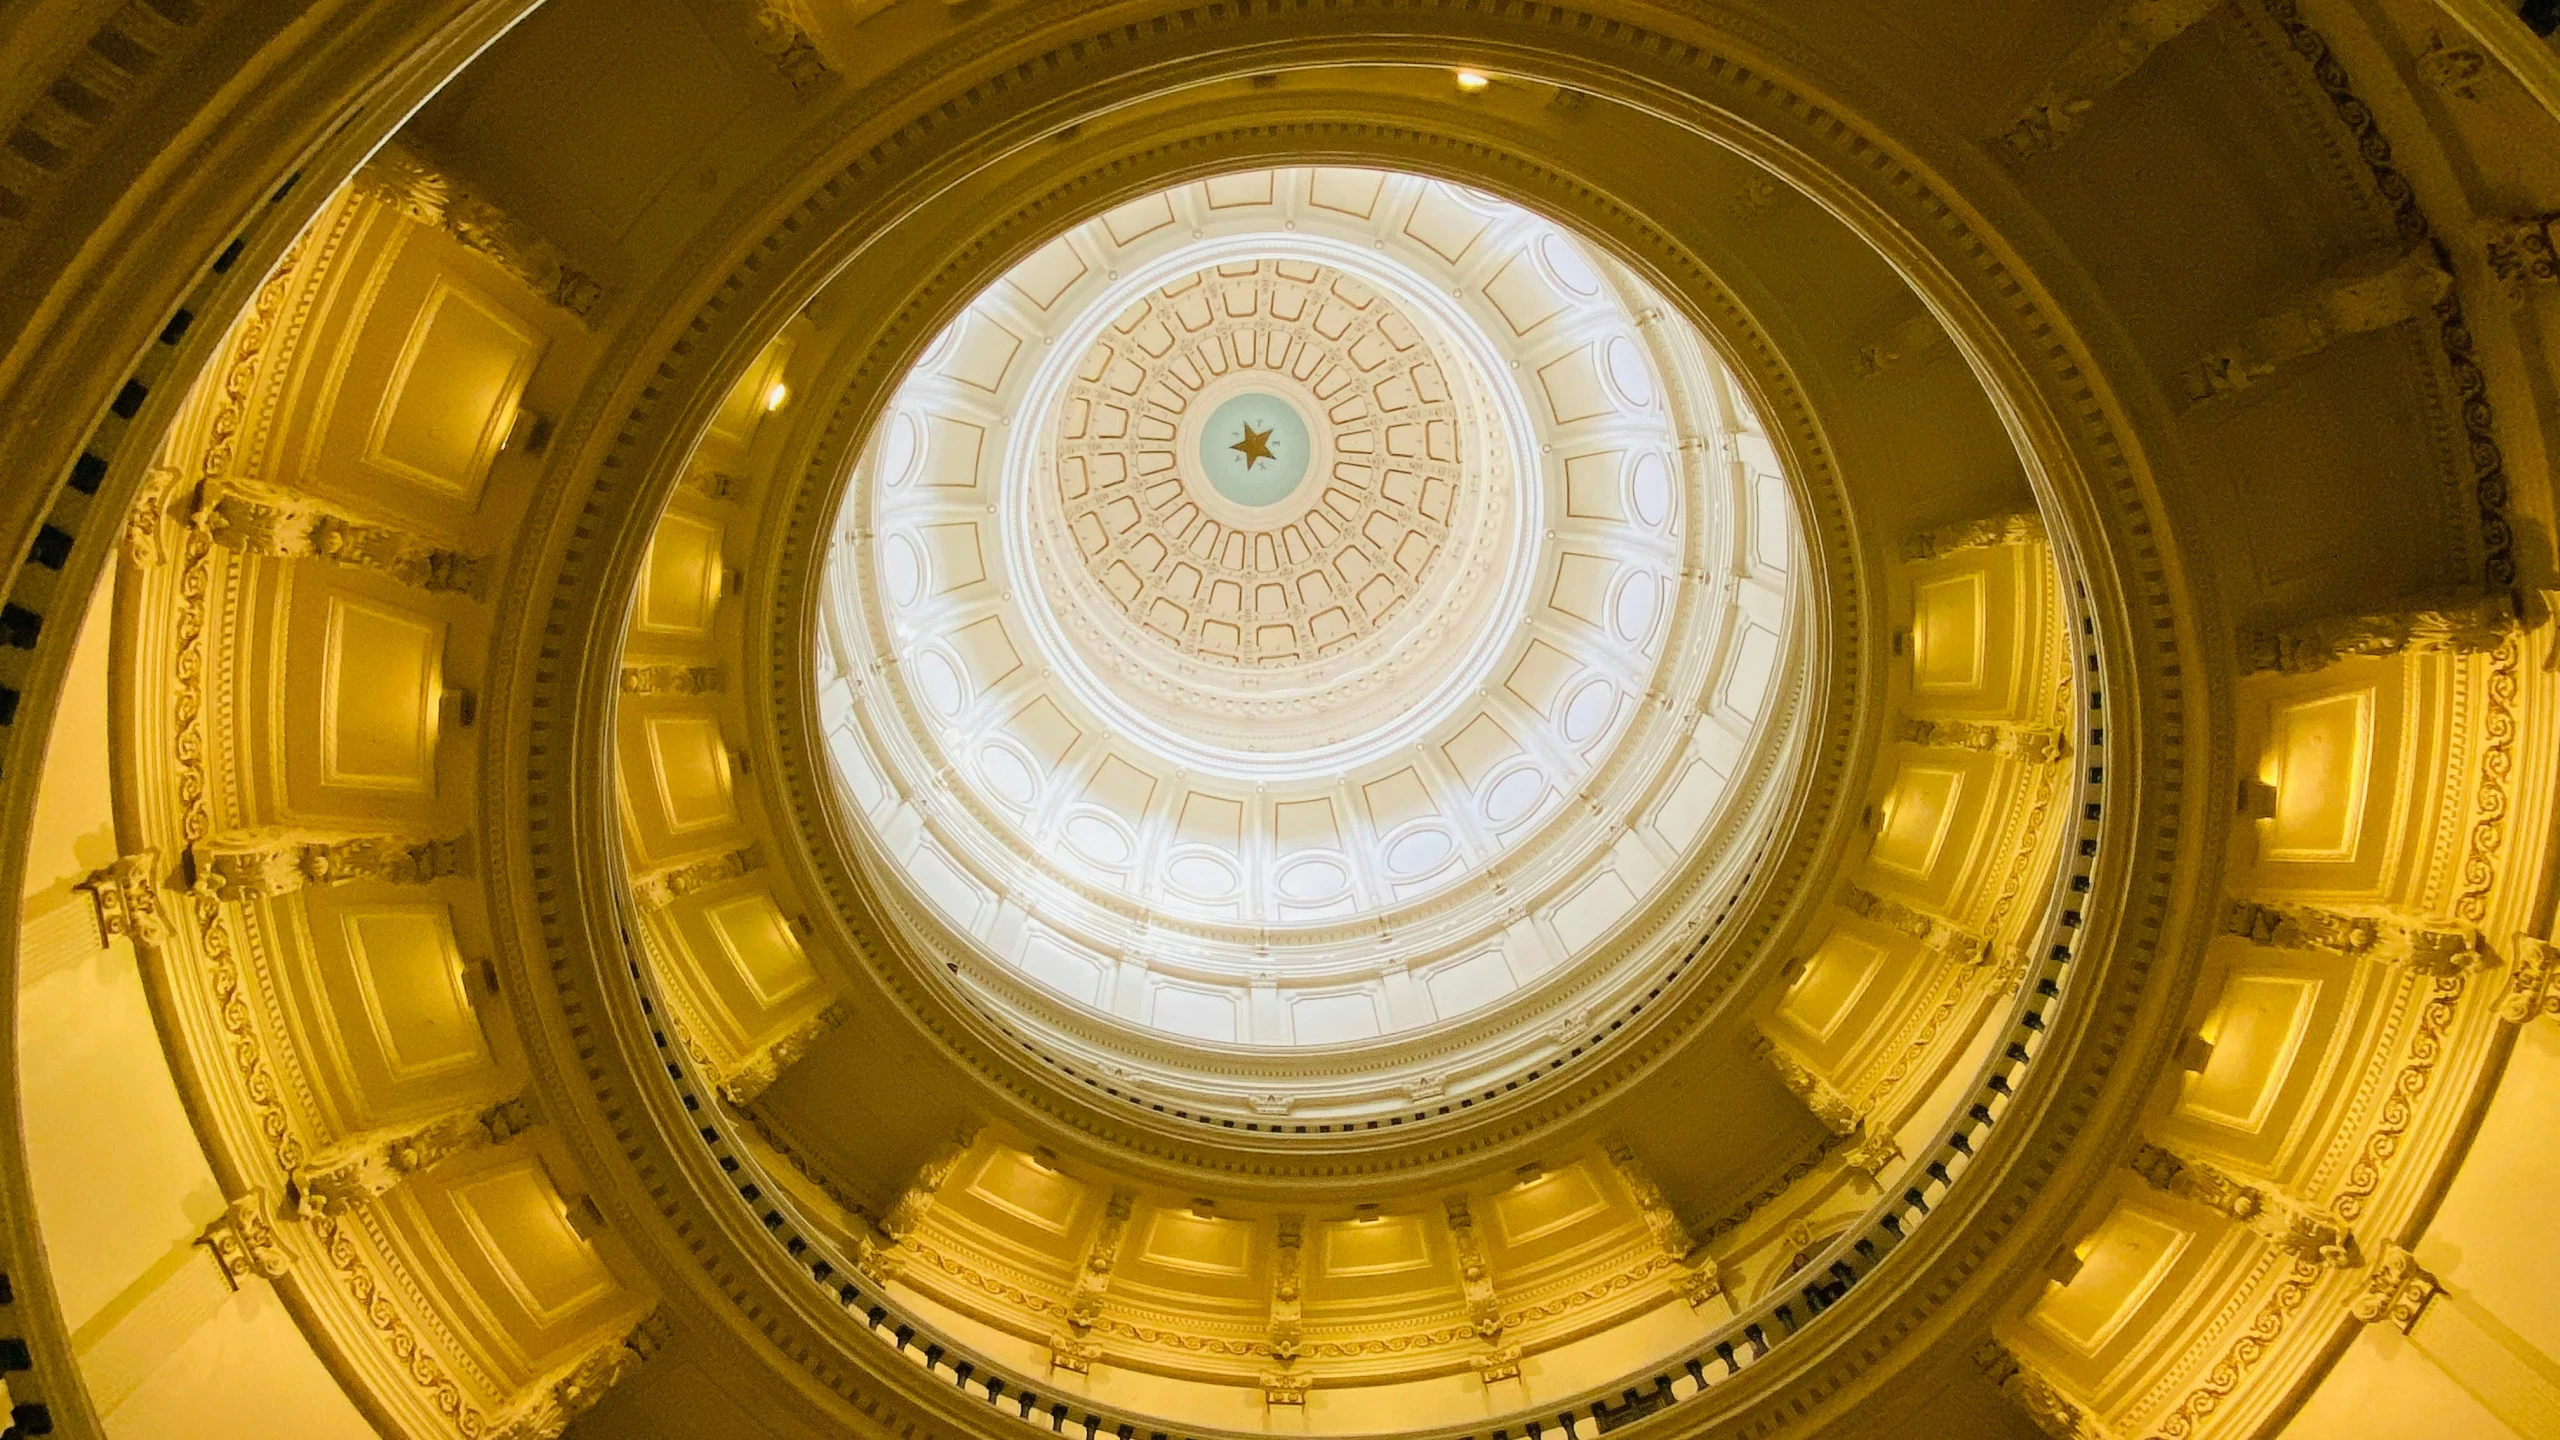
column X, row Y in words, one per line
column 790, row 718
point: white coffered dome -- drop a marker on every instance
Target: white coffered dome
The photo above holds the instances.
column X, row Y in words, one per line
column 1302, row 608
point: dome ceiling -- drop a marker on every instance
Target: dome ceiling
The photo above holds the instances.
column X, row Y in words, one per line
column 1279, row 581
column 997, row 832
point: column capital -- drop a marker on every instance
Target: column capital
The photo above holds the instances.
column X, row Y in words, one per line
column 126, row 892
column 2533, row 981
column 2523, row 250
column 2396, row 1290
column 244, row 1242
column 1279, row 1387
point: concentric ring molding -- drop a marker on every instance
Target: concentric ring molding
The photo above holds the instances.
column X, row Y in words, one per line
column 2074, row 433
column 1655, row 753
column 1631, row 1036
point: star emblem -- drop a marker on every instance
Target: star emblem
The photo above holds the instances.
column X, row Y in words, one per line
column 1255, row 447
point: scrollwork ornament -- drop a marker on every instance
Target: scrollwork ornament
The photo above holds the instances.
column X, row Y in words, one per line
column 2489, row 796
column 2284, row 1300
column 2400, row 1102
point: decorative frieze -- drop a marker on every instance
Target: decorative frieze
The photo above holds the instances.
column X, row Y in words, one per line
column 1951, row 940
column 2022, row 528
column 671, row 680
column 243, row 867
column 244, row 1243
column 127, row 895
column 2278, row 1220
column 751, row 1077
column 2032, row 743
column 2462, row 622
column 2396, row 1291
column 2533, row 981
column 238, row 516
column 1829, row 1107
column 661, row 888
column 2042, row 1401
column 2370, row 298
column 2428, row 948
column 420, row 190
column 367, row 1167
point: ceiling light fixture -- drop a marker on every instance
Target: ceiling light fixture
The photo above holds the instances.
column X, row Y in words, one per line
column 1472, row 81
column 776, row 396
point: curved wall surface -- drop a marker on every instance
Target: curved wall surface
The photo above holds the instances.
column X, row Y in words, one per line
column 810, row 717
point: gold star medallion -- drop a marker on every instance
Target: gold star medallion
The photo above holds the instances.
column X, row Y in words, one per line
column 1254, row 447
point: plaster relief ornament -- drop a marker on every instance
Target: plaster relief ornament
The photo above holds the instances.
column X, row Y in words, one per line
column 1277, row 600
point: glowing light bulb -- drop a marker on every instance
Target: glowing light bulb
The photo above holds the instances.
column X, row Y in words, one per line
column 776, row 396
column 1472, row 81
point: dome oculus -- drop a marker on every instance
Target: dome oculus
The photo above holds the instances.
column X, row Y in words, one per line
column 1291, row 526
column 1264, row 623
column 1265, row 461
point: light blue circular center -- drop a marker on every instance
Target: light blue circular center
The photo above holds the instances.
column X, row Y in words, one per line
column 1254, row 449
